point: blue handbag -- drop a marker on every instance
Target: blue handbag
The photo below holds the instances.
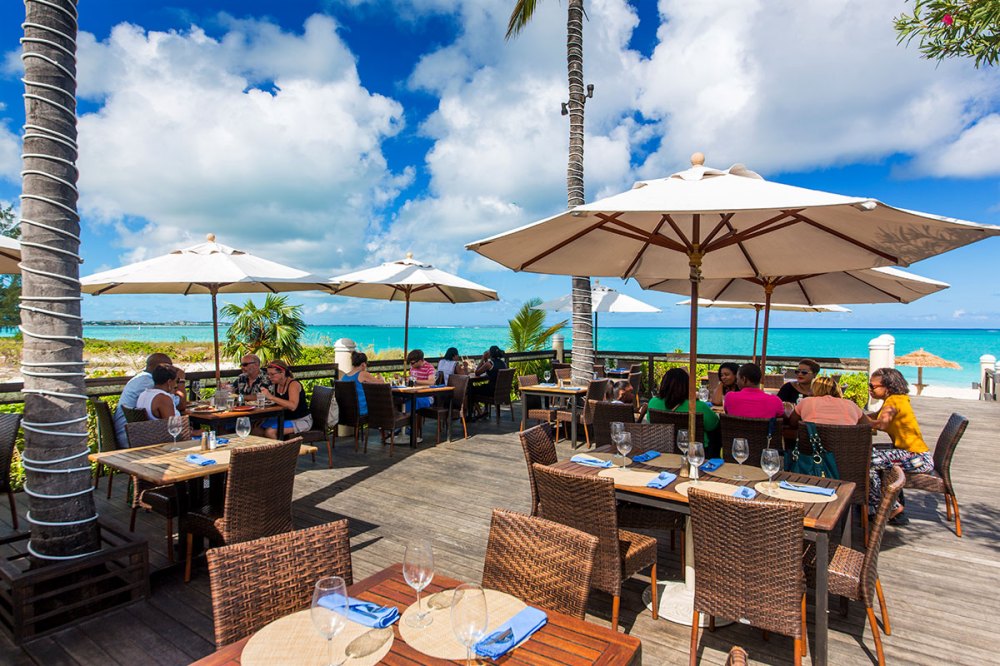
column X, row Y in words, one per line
column 821, row 463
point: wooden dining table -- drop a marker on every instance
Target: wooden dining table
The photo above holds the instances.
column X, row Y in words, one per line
column 563, row 639
column 548, row 391
column 411, row 393
column 820, row 521
column 215, row 419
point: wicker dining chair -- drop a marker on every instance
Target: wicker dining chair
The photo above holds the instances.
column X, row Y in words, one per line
column 346, row 394
column 539, row 447
column 748, row 565
column 854, row 574
column 564, row 373
column 501, row 394
column 541, row 562
column 679, row 421
column 772, row 381
column 106, row 441
column 133, row 415
column 752, row 430
column 161, row 500
column 737, row 657
column 600, row 372
column 9, row 425
column 851, row 446
column 256, row 582
column 322, row 430
column 258, row 499
column 939, row 481
column 587, row 503
column 453, row 404
column 556, row 367
column 535, row 404
column 606, row 413
column 596, row 391
column 382, row 413
column 651, row 436
column 635, row 379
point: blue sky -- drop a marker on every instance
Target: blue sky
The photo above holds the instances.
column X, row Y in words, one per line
column 333, row 135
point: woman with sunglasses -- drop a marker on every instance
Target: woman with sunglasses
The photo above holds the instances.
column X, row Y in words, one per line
column 896, row 418
column 802, row 386
column 286, row 392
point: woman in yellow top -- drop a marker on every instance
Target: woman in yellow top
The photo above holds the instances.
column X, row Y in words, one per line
column 896, row 418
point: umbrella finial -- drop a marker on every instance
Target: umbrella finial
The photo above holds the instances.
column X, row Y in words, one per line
column 409, row 255
column 698, row 159
column 210, row 238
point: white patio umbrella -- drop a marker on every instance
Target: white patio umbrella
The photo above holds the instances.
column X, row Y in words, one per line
column 711, row 223
column 875, row 285
column 757, row 307
column 602, row 299
column 10, row 255
column 206, row 268
column 410, row 280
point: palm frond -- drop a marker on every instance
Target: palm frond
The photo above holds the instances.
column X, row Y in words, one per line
column 519, row 17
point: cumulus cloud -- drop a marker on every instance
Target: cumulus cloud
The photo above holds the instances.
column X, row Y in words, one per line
column 973, row 154
column 10, row 152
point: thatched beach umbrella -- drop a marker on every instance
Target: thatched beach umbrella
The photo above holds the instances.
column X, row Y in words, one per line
column 923, row 359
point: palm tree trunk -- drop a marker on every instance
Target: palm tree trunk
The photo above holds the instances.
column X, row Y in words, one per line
column 58, row 481
column 583, row 340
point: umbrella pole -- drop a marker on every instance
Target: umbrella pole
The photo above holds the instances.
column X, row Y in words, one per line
column 767, row 319
column 215, row 334
column 406, row 331
column 694, row 260
column 920, row 380
column 595, row 337
column 756, row 327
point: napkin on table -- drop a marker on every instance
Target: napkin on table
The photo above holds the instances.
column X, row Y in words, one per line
column 590, row 461
column 711, row 465
column 522, row 625
column 745, row 492
column 366, row 613
column 644, row 457
column 196, row 459
column 816, row 490
column 662, row 480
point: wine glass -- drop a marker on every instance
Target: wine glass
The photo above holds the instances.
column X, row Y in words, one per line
column 329, row 611
column 469, row 616
column 418, row 571
column 548, row 376
column 624, row 446
column 175, row 424
column 770, row 463
column 696, row 457
column 243, row 427
column 196, row 390
column 741, row 451
column 682, row 443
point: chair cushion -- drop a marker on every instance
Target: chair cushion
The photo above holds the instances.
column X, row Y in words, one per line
column 929, row 481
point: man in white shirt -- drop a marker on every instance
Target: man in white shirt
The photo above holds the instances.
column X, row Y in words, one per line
column 134, row 388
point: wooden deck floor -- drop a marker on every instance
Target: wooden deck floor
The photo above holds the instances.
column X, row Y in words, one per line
column 941, row 590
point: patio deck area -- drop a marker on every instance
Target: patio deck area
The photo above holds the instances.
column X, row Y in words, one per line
column 941, row 590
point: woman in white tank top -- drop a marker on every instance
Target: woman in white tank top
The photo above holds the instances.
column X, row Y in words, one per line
column 158, row 401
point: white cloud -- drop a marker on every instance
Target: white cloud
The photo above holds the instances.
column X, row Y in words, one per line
column 10, row 153
column 972, row 155
column 958, row 314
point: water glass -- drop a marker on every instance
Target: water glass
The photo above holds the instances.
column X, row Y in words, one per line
column 770, row 462
column 548, row 376
column 175, row 425
column 418, row 572
column 261, row 401
column 741, row 451
column 243, row 426
column 624, row 446
column 682, row 443
column 469, row 617
column 329, row 611
column 196, row 390
column 696, row 458
column 703, row 394
column 213, row 440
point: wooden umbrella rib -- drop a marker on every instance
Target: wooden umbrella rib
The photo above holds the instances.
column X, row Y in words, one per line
column 770, row 230
column 638, row 256
column 869, row 284
column 653, row 238
column 723, row 223
column 805, row 294
column 844, row 237
column 729, row 283
column 565, row 242
column 743, row 250
column 680, row 234
column 442, row 292
column 739, row 237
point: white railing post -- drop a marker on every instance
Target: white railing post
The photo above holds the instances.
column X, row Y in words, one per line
column 559, row 344
column 881, row 354
column 342, row 350
column 986, row 362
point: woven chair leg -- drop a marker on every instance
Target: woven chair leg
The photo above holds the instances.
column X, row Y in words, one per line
column 170, row 540
column 958, row 518
column 498, row 414
column 805, row 634
column 797, row 659
column 885, row 609
column 329, row 449
column 616, row 604
column 357, row 429
column 365, row 432
column 653, row 591
column 111, row 479
column 947, row 507
column 683, row 549
column 131, row 520
column 844, row 609
column 864, row 524
column 511, row 405
column 693, row 660
column 711, row 623
column 314, row 457
column 99, row 472
column 187, row 561
column 13, row 509
column 557, row 431
column 465, row 429
column 586, row 434
column 438, row 431
column 875, row 633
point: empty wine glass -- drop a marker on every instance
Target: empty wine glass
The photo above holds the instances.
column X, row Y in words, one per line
column 624, row 446
column 741, row 451
column 617, row 428
column 469, row 616
column 682, row 443
column 418, row 572
column 548, row 375
column 696, row 457
column 770, row 462
column 243, row 426
column 175, row 425
column 329, row 611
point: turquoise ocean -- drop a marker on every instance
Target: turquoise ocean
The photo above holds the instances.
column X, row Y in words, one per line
column 963, row 346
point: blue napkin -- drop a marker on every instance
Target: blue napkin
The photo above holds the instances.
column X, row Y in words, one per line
column 746, row 492
column 711, row 465
column 521, row 625
column 221, row 440
column 200, row 460
column 438, row 385
column 644, row 457
column 590, row 461
column 663, row 480
column 365, row 612
column 816, row 490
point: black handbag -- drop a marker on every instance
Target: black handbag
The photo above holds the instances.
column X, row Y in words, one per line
column 821, row 463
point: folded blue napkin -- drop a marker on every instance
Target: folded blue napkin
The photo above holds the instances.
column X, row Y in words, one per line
column 438, row 385
column 196, row 459
column 521, row 626
column 221, row 440
column 590, row 461
column 364, row 612
column 746, row 492
column 663, row 480
column 807, row 489
column 711, row 465
column 644, row 457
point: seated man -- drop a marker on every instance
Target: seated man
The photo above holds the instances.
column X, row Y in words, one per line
column 251, row 379
column 134, row 388
column 158, row 400
column 750, row 401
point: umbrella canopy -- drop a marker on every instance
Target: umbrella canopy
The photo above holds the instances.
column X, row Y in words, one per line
column 10, row 255
column 923, row 359
column 206, row 268
column 711, row 223
column 410, row 280
column 602, row 299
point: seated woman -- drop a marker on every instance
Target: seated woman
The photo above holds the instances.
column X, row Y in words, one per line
column 896, row 418
column 494, row 360
column 286, row 392
column 826, row 406
column 158, row 401
column 359, row 375
column 802, row 386
column 727, row 382
column 452, row 364
column 672, row 396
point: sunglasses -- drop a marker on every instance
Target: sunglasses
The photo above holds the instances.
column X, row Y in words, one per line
column 243, row 365
column 803, row 372
column 872, row 387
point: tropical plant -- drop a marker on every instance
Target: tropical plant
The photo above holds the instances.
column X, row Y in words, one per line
column 62, row 508
column 10, row 285
column 273, row 330
column 583, row 328
column 953, row 29
column 527, row 328
column 855, row 387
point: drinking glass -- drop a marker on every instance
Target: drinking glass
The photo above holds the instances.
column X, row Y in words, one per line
column 548, row 376
column 175, row 425
column 607, row 365
column 696, row 457
column 261, row 401
column 418, row 572
column 196, row 390
column 329, row 611
column 770, row 462
column 741, row 451
column 469, row 617
column 703, row 394
column 682, row 443
column 624, row 446
column 243, row 426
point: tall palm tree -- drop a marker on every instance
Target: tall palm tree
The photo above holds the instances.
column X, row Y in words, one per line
column 273, row 330
column 583, row 330
column 63, row 517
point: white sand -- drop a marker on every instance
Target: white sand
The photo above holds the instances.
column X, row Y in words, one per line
column 948, row 392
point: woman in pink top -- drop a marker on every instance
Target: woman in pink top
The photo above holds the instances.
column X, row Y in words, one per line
column 826, row 406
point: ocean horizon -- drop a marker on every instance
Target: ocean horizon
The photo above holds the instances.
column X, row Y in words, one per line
column 964, row 346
